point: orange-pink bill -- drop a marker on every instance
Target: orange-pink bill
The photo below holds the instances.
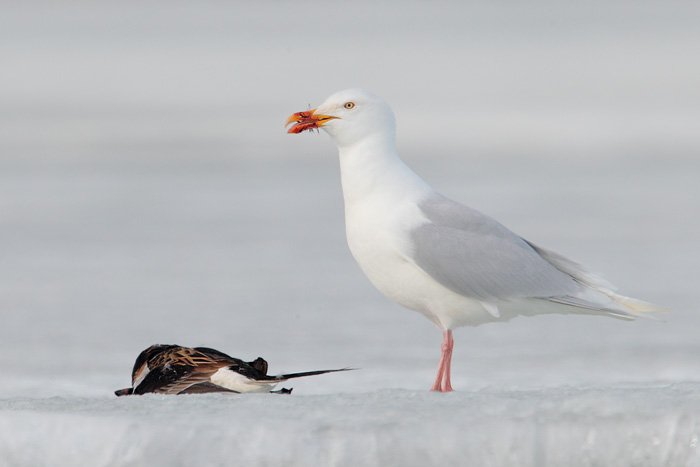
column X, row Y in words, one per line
column 307, row 120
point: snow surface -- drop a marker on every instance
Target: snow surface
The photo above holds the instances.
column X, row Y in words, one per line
column 611, row 426
column 149, row 194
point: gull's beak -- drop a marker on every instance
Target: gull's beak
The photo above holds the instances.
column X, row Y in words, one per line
column 307, row 120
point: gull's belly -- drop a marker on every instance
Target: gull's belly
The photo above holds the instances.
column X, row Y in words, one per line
column 382, row 249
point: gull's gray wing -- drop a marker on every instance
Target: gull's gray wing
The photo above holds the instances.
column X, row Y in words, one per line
column 475, row 256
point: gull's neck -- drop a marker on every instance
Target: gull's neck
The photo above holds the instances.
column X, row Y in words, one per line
column 372, row 167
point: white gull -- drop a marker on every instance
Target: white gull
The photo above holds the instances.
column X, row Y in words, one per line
column 453, row 264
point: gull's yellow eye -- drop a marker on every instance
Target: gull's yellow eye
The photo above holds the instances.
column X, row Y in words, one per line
column 349, row 105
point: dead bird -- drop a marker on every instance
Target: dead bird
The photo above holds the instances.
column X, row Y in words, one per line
column 173, row 369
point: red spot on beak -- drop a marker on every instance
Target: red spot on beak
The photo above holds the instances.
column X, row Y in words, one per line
column 307, row 120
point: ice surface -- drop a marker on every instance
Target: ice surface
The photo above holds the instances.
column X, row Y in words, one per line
column 607, row 426
column 149, row 194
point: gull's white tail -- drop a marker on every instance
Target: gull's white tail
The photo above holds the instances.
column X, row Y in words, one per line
column 638, row 306
column 619, row 306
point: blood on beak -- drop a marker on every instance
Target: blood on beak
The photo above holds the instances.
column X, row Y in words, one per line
column 307, row 120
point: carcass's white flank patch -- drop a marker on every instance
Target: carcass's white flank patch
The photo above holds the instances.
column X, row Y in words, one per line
column 230, row 379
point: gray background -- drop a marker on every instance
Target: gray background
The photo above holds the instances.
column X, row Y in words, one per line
column 149, row 194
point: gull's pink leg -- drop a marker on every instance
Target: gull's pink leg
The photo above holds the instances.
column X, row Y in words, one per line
column 442, row 380
column 447, row 345
column 438, row 379
column 446, row 383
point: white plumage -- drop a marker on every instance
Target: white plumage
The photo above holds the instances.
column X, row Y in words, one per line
column 453, row 264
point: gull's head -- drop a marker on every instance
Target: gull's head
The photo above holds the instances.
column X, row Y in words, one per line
column 348, row 117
